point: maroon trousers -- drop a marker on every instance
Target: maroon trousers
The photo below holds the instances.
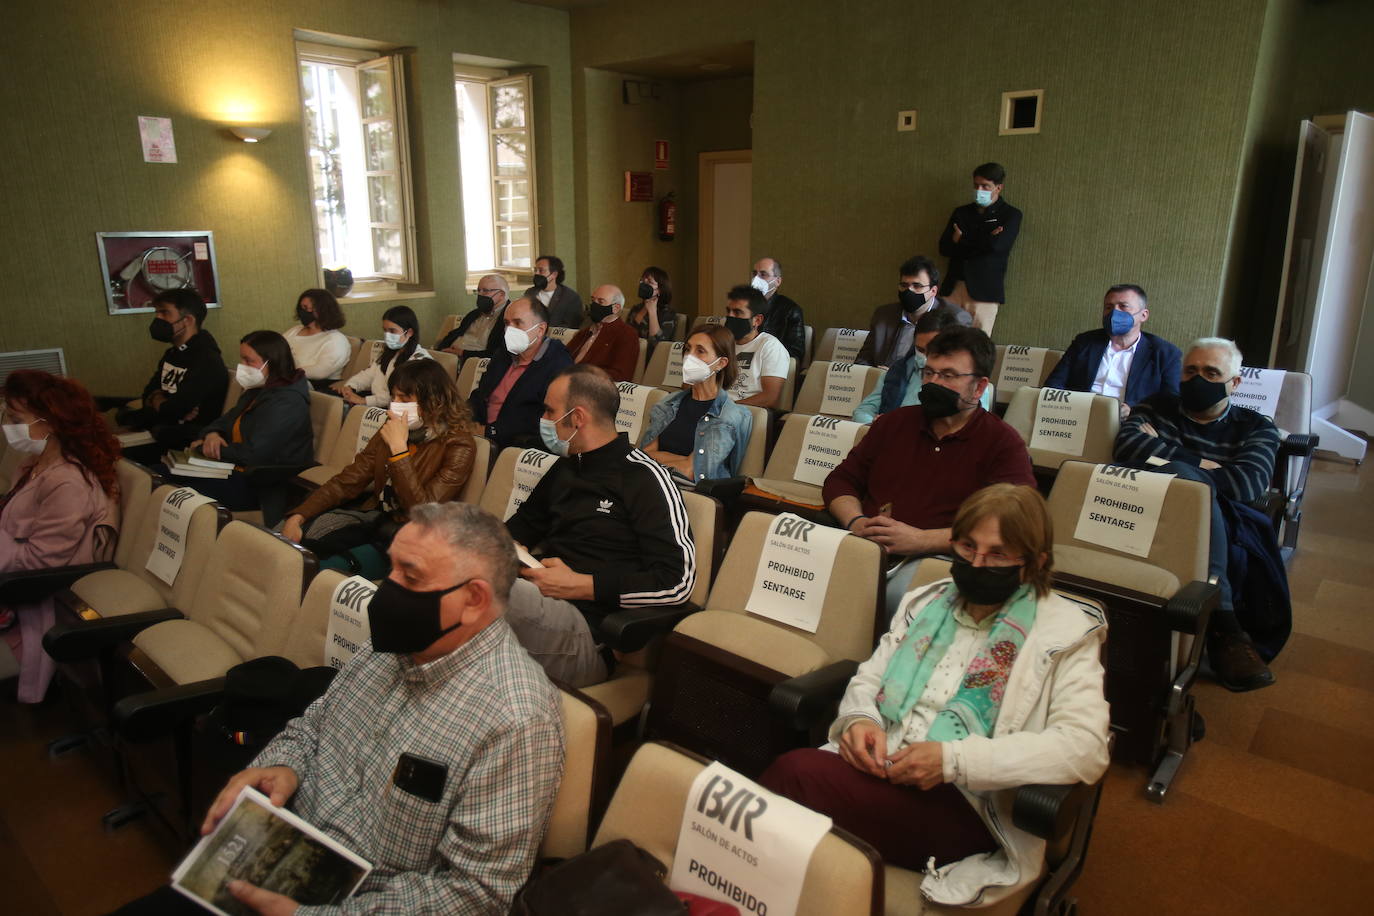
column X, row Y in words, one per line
column 905, row 824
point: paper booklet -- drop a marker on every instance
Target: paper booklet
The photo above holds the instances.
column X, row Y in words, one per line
column 527, row 558
column 273, row 849
column 189, row 464
column 130, row 438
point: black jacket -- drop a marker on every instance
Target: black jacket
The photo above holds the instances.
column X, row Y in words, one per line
column 784, row 321
column 980, row 258
column 565, row 306
column 276, row 427
column 518, row 421
column 495, row 337
column 613, row 513
column 194, row 378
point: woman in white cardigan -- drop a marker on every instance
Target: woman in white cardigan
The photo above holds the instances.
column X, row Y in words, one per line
column 317, row 345
column 985, row 682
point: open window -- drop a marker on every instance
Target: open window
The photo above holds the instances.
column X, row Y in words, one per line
column 496, row 161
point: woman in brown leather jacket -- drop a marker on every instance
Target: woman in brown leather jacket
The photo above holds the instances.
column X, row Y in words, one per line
column 423, row 453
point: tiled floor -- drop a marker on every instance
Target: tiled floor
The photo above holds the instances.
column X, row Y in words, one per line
column 1271, row 814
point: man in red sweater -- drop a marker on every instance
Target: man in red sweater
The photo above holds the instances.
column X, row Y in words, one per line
column 607, row 341
column 903, row 482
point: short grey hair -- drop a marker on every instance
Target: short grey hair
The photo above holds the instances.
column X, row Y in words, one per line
column 618, row 298
column 501, row 282
column 1220, row 343
column 777, row 265
column 476, row 534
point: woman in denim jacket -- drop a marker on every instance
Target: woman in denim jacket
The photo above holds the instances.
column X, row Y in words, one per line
column 699, row 432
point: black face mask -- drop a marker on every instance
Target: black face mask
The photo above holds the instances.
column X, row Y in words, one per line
column 938, row 401
column 485, row 304
column 404, row 621
column 599, row 312
column 740, row 327
column 303, row 316
column 646, row 291
column 162, row 330
column 911, row 301
column 1198, row 394
column 539, row 282
column 986, row 585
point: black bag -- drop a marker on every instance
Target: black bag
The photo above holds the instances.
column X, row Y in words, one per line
column 263, row 694
column 616, row 879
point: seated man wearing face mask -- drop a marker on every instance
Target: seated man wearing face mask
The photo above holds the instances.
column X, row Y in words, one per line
column 510, row 397
column 893, row 327
column 481, row 331
column 783, row 318
column 607, row 341
column 903, row 482
column 435, row 753
column 901, row 385
column 563, row 302
column 609, row 526
column 1200, row 435
column 761, row 359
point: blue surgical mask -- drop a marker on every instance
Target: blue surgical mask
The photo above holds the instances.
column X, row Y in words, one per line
column 394, row 341
column 548, row 431
column 982, row 197
column 1117, row 322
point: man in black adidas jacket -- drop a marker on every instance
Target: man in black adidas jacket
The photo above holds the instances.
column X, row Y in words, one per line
column 609, row 525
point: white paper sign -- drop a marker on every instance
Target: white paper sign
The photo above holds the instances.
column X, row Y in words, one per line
column 848, row 343
column 480, row 371
column 170, row 547
column 158, row 143
column 672, row 374
column 348, row 627
column 826, row 443
column 794, row 572
column 202, row 251
column 844, row 388
column 372, row 421
column 741, row 844
column 1021, row 366
column 562, row 335
column 530, row 467
column 1259, row 390
column 714, row 319
column 630, row 418
column 1121, row 508
column 1061, row 421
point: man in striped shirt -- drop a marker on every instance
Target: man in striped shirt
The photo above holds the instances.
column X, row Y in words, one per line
column 1201, row 435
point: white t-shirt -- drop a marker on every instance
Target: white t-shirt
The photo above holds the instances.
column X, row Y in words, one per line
column 321, row 355
column 763, row 356
column 1114, row 369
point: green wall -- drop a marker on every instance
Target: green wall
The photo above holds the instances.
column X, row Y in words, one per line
column 1133, row 178
column 77, row 76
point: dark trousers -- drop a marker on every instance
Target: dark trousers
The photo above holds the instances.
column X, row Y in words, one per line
column 235, row 492
column 162, row 902
column 1219, row 544
column 905, row 824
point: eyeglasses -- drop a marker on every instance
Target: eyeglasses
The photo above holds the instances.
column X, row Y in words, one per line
column 946, row 375
column 489, row 291
column 914, row 287
column 966, row 550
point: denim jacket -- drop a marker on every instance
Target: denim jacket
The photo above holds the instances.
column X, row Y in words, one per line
column 722, row 434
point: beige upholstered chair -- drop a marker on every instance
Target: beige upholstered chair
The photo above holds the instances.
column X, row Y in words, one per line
column 586, row 776
column 233, row 392
column 811, row 397
column 752, row 666
column 305, row 638
column 345, row 446
column 445, row 327
column 789, row 387
column 778, row 477
column 843, row 876
column 471, row 373
column 361, row 357
column 808, row 346
column 638, row 426
column 657, row 370
column 825, row 350
column 496, row 494
column 681, row 328
column 481, row 467
column 1104, row 422
column 448, row 360
column 1003, row 393
column 326, row 417
column 639, row 363
column 757, row 450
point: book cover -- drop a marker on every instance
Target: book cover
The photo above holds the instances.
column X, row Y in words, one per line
column 273, row 849
column 187, row 464
column 130, row 438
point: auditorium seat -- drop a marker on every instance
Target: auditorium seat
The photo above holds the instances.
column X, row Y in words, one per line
column 447, row 325
column 563, row 335
column 744, row 688
column 1293, row 417
column 362, row 357
column 1008, row 387
column 844, row 875
column 756, row 454
column 495, row 495
column 681, row 328
column 347, row 443
column 656, row 372
column 448, row 360
column 584, row 789
column 808, row 347
column 779, row 477
column 471, row 373
column 639, row 362
column 811, row 397
column 1099, row 443
column 830, row 343
column 789, row 388
column 634, row 427
column 274, row 484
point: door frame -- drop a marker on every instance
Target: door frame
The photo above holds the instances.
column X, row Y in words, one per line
column 707, row 300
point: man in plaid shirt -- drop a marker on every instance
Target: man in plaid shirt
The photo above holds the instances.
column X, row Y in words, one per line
column 436, row 752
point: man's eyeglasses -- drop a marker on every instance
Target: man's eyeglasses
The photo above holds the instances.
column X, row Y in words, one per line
column 945, row 375
column 914, row 287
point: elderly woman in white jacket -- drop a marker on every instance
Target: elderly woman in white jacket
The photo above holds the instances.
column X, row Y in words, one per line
column 985, row 682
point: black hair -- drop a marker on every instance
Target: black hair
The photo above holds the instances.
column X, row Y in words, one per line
column 992, row 171
column 967, row 340
column 404, row 317
column 328, row 315
column 914, row 265
column 273, row 349
column 936, row 320
column 555, row 264
column 186, row 301
column 1130, row 288
column 744, row 293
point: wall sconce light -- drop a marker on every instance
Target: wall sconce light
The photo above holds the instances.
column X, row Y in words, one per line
column 250, row 134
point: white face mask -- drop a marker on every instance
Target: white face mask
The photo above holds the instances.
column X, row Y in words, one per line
column 695, row 370
column 393, row 340
column 517, row 341
column 760, row 284
column 409, row 411
column 249, row 377
column 17, row 435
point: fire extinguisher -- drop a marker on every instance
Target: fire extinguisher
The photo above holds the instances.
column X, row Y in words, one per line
column 667, row 218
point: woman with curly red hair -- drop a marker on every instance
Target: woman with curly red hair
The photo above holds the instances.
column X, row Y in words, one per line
column 63, row 508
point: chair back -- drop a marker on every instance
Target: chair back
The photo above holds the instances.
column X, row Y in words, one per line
column 309, row 628
column 1099, row 442
column 639, row 362
column 477, row 478
column 471, row 374
column 680, row 329
column 232, row 393
column 633, row 417
column 326, row 418
column 808, row 345
column 505, row 477
column 782, row 462
column 789, row 387
column 446, row 326
column 843, row 875
column 706, row 515
column 1294, row 412
column 563, row 335
column 135, row 490
column 665, row 366
column 840, row 344
column 1004, row 388
column 850, row 385
column 448, row 360
column 201, row 534
column 751, row 465
column 366, row 352
column 586, row 775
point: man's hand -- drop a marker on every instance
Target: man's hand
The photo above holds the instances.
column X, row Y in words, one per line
column 998, row 230
column 958, row 233
column 195, row 412
column 1149, row 430
column 292, row 528
column 896, row 536
column 264, row 902
column 1207, row 464
column 557, row 580
column 277, row 783
column 864, row 747
column 156, row 400
column 921, row 764
column 394, row 434
column 210, row 446
column 1125, row 410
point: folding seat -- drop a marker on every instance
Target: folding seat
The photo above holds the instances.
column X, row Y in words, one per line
column 743, row 688
column 233, row 392
column 359, row 426
column 584, row 789
column 756, row 453
column 1293, row 417
column 789, row 388
column 1099, row 441
column 639, row 363
column 665, row 366
column 563, row 335
column 835, row 389
column 840, row 345
column 634, row 413
column 471, row 374
column 506, row 477
column 1008, row 377
column 682, row 327
column 447, row 325
column 808, row 346
column 274, row 483
column 1157, row 607
column 366, row 351
column 448, row 360
column 780, row 487
column 844, row 874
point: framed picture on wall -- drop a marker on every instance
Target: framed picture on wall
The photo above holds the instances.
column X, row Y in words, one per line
column 136, row 266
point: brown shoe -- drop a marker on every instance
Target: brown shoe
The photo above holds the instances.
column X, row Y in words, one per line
column 1237, row 663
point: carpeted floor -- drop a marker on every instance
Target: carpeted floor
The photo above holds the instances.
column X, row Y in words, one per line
column 1270, row 815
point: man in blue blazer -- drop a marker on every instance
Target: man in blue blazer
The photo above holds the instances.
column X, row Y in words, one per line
column 1119, row 359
